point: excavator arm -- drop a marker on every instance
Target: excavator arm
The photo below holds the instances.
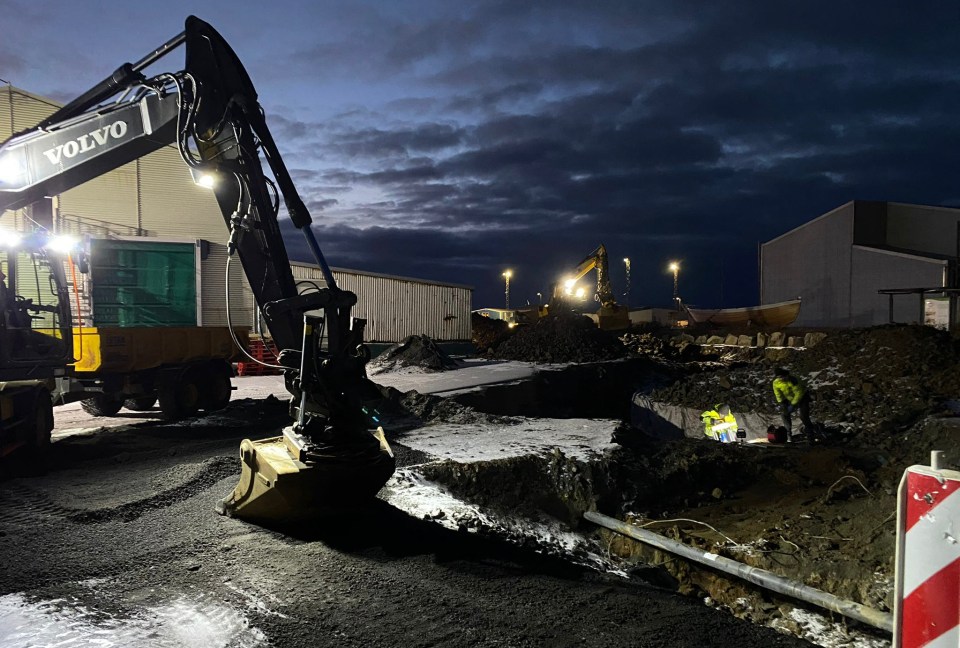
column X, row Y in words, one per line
column 611, row 315
column 595, row 260
column 209, row 111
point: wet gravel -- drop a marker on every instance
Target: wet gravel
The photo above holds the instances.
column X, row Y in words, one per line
column 125, row 520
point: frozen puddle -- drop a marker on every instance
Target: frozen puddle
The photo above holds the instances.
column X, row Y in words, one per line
column 180, row 623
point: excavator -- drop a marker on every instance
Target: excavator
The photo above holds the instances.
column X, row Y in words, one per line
column 332, row 455
column 611, row 316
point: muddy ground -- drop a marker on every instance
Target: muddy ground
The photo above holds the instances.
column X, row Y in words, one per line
column 118, row 544
column 823, row 515
column 121, row 530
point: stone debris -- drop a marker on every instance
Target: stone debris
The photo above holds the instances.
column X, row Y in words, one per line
column 417, row 351
column 561, row 338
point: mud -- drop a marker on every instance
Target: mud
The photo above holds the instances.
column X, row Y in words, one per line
column 122, row 523
column 416, row 351
column 118, row 542
column 565, row 337
column 823, row 515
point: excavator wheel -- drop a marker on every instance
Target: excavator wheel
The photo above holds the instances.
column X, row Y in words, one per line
column 180, row 395
column 102, row 405
column 140, row 403
column 216, row 387
column 43, row 423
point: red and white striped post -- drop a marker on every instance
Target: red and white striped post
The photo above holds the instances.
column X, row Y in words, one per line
column 927, row 602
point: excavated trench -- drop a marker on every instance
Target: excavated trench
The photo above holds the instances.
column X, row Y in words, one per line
column 778, row 508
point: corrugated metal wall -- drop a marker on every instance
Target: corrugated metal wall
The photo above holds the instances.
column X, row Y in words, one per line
column 396, row 307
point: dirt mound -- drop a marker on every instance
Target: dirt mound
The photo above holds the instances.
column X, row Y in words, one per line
column 415, row 351
column 488, row 333
column 877, row 378
column 561, row 338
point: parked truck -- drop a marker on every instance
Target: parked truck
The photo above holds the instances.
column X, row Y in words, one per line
column 46, row 360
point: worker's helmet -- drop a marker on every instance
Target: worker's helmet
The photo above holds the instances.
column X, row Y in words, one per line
column 781, row 371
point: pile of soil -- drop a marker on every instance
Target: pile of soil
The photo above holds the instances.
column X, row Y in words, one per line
column 415, row 351
column 881, row 378
column 564, row 337
column 488, row 333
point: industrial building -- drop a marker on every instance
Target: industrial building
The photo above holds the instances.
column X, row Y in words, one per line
column 151, row 209
column 867, row 263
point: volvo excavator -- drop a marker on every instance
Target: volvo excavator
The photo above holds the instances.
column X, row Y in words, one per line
column 611, row 316
column 332, row 454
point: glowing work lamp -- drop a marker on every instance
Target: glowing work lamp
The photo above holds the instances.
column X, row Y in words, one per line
column 10, row 239
column 202, row 178
column 62, row 244
column 12, row 170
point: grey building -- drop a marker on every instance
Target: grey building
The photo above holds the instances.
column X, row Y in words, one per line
column 155, row 199
column 838, row 262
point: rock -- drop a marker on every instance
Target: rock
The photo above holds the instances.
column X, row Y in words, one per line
column 701, row 339
column 776, row 339
column 730, row 340
column 724, row 382
column 867, row 387
column 794, row 341
column 745, row 341
column 762, row 339
column 716, row 493
column 714, row 339
column 811, row 340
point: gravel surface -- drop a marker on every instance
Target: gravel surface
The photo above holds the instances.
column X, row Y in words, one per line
column 119, row 542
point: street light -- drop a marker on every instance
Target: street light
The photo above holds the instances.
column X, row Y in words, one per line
column 506, row 275
column 674, row 267
column 626, row 294
column 539, row 299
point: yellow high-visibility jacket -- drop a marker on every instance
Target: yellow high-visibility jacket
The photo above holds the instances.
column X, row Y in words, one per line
column 714, row 423
column 788, row 390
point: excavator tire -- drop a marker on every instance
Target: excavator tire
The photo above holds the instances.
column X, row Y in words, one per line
column 43, row 423
column 102, row 405
column 140, row 403
column 180, row 397
column 216, row 387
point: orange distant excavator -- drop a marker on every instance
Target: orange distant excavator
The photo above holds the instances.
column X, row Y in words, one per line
column 611, row 316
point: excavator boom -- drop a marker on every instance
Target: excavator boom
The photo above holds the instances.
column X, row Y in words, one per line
column 209, row 111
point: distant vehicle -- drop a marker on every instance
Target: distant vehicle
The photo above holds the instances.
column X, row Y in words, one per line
column 611, row 316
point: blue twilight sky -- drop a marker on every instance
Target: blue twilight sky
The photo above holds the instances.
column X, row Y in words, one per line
column 452, row 140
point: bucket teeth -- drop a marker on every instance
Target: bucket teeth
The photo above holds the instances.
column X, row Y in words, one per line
column 276, row 486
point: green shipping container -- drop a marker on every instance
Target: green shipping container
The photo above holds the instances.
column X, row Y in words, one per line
column 143, row 283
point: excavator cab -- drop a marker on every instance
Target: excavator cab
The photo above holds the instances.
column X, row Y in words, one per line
column 35, row 322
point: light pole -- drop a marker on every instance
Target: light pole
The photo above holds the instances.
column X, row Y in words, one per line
column 539, row 299
column 675, row 269
column 626, row 262
column 506, row 275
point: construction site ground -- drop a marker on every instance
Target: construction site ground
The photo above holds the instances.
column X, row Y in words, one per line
column 479, row 538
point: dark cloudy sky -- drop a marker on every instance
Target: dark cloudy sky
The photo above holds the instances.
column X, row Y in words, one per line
column 452, row 140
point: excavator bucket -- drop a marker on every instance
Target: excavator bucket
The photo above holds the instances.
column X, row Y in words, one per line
column 276, row 486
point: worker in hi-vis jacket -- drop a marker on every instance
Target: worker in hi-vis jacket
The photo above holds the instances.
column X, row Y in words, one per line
column 792, row 396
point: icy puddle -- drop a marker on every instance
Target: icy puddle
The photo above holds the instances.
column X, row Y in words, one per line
column 182, row 623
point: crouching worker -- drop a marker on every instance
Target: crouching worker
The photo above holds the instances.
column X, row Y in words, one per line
column 792, row 396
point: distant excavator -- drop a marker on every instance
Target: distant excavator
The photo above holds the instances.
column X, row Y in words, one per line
column 611, row 316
